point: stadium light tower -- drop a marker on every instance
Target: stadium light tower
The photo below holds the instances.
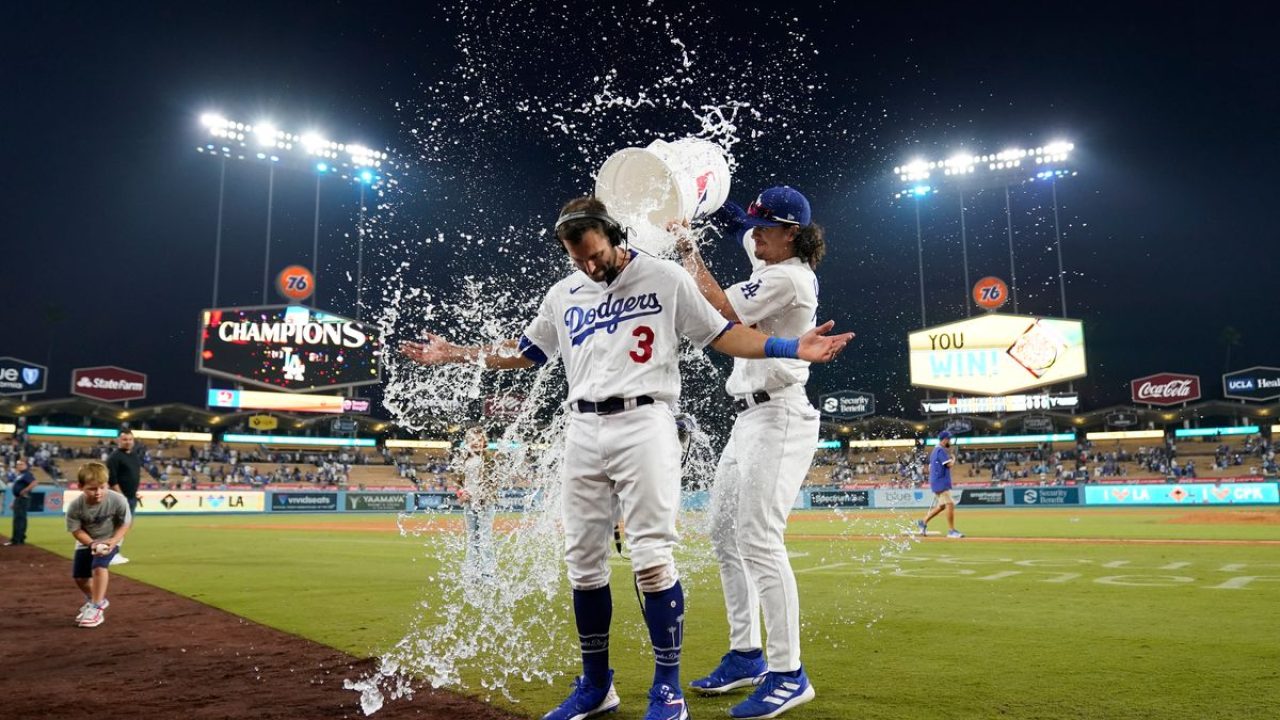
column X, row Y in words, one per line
column 963, row 171
column 310, row 151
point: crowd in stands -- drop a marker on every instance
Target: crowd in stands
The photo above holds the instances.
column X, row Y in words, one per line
column 173, row 465
column 1082, row 463
column 176, row 465
column 429, row 474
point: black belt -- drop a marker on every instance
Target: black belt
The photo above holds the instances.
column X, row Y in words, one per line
column 757, row 397
column 612, row 405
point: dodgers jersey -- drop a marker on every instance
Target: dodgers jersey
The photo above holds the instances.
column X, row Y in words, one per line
column 622, row 339
column 779, row 300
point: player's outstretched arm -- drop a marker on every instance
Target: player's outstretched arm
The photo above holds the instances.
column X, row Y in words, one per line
column 814, row 346
column 691, row 259
column 435, row 350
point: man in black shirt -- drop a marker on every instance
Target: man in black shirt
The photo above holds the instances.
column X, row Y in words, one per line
column 22, row 487
column 124, row 468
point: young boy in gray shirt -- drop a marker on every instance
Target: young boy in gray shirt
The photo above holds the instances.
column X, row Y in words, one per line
column 98, row 520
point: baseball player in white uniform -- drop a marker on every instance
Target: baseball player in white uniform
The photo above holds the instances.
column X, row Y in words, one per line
column 617, row 324
column 768, row 454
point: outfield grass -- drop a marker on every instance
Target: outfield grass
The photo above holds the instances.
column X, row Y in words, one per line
column 1145, row 622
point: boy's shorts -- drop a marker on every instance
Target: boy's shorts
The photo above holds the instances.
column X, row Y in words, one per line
column 84, row 561
column 944, row 498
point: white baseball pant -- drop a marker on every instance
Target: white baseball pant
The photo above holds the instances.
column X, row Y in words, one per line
column 634, row 454
column 768, row 455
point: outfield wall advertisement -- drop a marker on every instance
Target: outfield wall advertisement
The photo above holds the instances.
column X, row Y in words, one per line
column 1045, row 495
column 376, row 502
column 190, row 501
column 839, row 498
column 304, row 502
column 901, row 498
column 1185, row 494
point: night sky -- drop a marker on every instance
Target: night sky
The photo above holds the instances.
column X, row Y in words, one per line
column 109, row 213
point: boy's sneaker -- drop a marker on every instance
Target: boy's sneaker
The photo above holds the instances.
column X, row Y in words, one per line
column 924, row 529
column 777, row 694
column 586, row 701
column 92, row 618
column 666, row 703
column 955, row 534
column 734, row 671
column 88, row 605
column 119, row 560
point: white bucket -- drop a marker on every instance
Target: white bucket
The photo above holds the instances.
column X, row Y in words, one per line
column 646, row 188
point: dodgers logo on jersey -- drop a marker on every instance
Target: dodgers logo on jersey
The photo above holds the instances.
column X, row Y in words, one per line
column 749, row 290
column 583, row 322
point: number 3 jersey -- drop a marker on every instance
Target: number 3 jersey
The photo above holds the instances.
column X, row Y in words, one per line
column 622, row 339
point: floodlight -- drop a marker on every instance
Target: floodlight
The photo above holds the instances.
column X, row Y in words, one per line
column 266, row 134
column 213, row 120
column 1058, row 147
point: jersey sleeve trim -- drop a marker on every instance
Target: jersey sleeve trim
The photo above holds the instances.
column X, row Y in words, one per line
column 531, row 351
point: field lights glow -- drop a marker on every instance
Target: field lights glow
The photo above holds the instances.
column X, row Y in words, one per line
column 267, row 136
column 962, row 164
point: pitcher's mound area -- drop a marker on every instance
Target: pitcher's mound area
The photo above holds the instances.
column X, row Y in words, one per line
column 160, row 655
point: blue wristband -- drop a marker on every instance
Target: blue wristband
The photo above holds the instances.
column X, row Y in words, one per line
column 776, row 347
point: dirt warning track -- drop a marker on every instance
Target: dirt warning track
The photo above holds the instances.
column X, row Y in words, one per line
column 161, row 655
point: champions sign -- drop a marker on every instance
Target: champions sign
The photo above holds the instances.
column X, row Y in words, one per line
column 288, row 347
column 997, row 354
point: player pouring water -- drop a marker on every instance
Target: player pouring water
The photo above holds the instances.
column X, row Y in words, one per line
column 769, row 451
column 616, row 323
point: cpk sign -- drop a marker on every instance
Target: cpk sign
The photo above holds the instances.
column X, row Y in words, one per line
column 1255, row 383
column 108, row 383
column 1165, row 389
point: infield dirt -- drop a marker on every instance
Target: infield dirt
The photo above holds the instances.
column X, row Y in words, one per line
column 161, row 655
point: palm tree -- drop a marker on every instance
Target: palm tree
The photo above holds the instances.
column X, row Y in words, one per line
column 1230, row 338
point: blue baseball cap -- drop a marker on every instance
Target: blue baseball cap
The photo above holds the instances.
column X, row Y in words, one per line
column 782, row 205
column 944, row 435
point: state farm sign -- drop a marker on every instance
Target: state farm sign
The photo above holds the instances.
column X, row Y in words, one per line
column 108, row 383
column 1165, row 389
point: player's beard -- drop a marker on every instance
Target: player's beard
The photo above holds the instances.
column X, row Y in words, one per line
column 609, row 274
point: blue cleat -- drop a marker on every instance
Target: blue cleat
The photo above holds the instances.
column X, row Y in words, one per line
column 734, row 671
column 777, row 694
column 955, row 534
column 586, row 701
column 924, row 529
column 666, row 703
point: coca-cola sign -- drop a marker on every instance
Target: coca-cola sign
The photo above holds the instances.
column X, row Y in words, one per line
column 1165, row 389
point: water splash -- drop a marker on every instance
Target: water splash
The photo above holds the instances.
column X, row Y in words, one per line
column 476, row 271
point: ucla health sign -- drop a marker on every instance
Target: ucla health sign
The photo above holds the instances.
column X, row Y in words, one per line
column 1255, row 383
column 1189, row 494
